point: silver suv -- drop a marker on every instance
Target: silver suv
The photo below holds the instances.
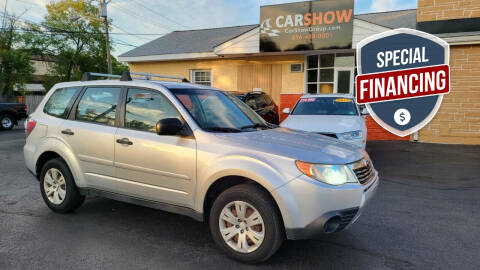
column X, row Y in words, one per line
column 199, row 152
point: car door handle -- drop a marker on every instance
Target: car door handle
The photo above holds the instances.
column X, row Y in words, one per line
column 67, row 132
column 125, row 141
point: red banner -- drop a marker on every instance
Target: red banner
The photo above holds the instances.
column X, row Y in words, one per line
column 406, row 83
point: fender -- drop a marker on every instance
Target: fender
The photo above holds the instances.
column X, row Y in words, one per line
column 58, row 146
column 253, row 168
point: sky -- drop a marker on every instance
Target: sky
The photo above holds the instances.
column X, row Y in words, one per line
column 163, row 16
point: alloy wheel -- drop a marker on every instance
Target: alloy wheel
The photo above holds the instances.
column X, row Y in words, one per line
column 6, row 122
column 241, row 226
column 55, row 186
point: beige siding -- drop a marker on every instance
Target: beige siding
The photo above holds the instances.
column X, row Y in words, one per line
column 272, row 74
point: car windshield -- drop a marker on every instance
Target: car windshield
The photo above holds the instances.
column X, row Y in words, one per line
column 218, row 111
column 325, row 106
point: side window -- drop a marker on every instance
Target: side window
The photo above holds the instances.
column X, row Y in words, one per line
column 261, row 103
column 57, row 104
column 251, row 101
column 98, row 105
column 144, row 108
column 268, row 99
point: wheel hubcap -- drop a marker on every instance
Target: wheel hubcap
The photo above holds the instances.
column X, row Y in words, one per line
column 54, row 186
column 241, row 226
column 6, row 122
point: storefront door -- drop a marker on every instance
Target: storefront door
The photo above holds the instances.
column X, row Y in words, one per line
column 344, row 80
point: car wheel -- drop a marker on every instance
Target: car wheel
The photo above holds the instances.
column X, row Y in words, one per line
column 58, row 187
column 245, row 224
column 6, row 121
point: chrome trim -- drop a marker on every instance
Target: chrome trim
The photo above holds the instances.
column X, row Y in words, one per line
column 369, row 174
column 115, row 179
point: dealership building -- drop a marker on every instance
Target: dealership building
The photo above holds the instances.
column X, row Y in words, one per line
column 288, row 55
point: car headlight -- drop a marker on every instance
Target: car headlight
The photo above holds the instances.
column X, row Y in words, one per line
column 352, row 135
column 330, row 174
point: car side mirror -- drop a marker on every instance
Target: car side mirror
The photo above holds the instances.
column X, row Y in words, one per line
column 286, row 111
column 364, row 111
column 171, row 127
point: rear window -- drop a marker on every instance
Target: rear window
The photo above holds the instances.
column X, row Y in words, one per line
column 325, row 106
column 58, row 103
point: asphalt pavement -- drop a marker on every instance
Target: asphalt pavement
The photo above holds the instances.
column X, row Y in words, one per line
column 425, row 215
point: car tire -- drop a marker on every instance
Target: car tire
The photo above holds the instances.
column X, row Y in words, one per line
column 7, row 121
column 58, row 187
column 257, row 201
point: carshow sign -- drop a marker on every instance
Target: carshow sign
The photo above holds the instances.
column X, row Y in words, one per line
column 402, row 77
column 311, row 25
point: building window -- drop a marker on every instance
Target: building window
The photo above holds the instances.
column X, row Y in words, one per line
column 203, row 77
column 320, row 73
column 329, row 73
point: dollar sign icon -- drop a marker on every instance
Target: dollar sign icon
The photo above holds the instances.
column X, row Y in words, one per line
column 402, row 116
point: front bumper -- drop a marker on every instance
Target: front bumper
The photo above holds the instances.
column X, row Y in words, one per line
column 361, row 142
column 311, row 208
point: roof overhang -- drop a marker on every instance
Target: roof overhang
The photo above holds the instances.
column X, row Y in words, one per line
column 169, row 57
column 247, row 45
column 464, row 38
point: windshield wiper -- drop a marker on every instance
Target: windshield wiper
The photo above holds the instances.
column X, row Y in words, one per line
column 257, row 125
column 222, row 129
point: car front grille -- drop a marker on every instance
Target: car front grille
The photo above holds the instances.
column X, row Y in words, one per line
column 333, row 135
column 346, row 217
column 364, row 171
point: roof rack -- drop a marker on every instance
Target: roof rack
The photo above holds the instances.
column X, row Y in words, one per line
column 148, row 76
column 127, row 76
column 87, row 76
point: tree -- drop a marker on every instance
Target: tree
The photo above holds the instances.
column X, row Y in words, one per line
column 77, row 42
column 15, row 65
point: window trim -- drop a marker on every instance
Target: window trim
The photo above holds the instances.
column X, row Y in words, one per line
column 192, row 76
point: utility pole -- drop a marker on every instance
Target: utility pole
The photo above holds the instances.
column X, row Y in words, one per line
column 4, row 20
column 103, row 13
column 4, row 14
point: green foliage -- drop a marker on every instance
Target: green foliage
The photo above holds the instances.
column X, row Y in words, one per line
column 72, row 33
column 79, row 47
column 16, row 69
column 15, row 65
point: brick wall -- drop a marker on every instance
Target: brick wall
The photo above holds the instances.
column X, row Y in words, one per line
column 374, row 131
column 434, row 10
column 458, row 120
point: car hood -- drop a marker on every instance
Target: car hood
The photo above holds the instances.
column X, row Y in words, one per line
column 296, row 144
column 324, row 123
